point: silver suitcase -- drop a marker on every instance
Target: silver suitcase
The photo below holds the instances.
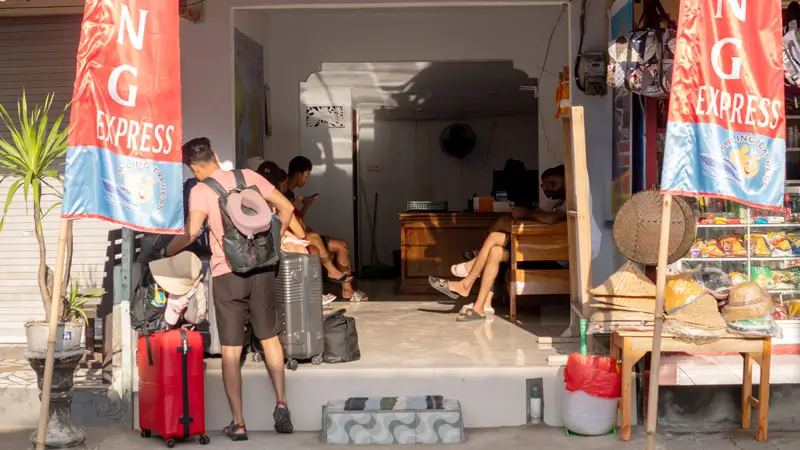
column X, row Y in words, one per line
column 299, row 295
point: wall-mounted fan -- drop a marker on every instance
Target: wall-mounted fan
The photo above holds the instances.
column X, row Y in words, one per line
column 458, row 140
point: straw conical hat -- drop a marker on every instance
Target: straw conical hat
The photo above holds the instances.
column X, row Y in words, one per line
column 647, row 305
column 701, row 313
column 628, row 281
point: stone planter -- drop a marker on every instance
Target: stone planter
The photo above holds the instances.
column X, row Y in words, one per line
column 68, row 353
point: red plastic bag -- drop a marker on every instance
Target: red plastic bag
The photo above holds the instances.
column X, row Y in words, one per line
column 598, row 376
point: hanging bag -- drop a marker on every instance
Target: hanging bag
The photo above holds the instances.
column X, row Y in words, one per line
column 641, row 61
column 791, row 45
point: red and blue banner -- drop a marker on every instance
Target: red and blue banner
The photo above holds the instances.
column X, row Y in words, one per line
column 726, row 132
column 124, row 161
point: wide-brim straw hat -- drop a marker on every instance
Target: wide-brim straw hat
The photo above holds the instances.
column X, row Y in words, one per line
column 177, row 274
column 628, row 281
column 702, row 313
column 733, row 313
column 637, row 228
column 646, row 305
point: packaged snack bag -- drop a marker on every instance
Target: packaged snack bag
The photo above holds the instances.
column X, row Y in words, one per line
column 733, row 246
column 779, row 245
column 712, row 249
column 738, row 278
column 783, row 279
column 794, row 241
column 761, row 276
column 758, row 245
column 697, row 247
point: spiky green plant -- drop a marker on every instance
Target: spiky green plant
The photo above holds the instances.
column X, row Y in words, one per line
column 74, row 307
column 30, row 157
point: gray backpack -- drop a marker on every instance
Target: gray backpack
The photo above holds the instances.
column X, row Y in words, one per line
column 245, row 254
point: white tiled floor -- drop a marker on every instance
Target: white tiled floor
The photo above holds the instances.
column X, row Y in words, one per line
column 715, row 370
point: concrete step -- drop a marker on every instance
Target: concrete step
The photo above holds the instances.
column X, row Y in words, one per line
column 393, row 420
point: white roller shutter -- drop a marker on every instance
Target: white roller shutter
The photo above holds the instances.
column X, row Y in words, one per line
column 38, row 54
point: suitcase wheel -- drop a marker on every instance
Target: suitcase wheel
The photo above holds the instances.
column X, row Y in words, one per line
column 146, row 433
column 171, row 443
column 257, row 357
column 316, row 360
column 292, row 364
column 204, row 440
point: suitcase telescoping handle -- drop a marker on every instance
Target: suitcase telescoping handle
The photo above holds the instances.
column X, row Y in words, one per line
column 185, row 419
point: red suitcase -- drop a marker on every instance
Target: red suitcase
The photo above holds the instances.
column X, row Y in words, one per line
column 171, row 385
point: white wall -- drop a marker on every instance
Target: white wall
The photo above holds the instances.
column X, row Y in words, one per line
column 301, row 42
column 206, row 62
column 412, row 167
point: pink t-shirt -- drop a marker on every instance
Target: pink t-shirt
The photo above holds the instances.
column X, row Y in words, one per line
column 203, row 198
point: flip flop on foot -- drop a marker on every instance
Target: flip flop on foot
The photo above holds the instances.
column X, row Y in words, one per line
column 236, row 432
column 459, row 270
column 470, row 316
column 357, row 296
column 489, row 311
column 443, row 286
column 345, row 278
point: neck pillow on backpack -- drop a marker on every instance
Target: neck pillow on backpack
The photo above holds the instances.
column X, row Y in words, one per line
column 255, row 221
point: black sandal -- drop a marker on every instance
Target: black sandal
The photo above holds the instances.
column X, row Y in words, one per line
column 231, row 432
column 345, row 278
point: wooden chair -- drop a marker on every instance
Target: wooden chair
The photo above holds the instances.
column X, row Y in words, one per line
column 535, row 241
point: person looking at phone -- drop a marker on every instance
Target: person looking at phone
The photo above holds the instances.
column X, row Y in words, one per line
column 299, row 170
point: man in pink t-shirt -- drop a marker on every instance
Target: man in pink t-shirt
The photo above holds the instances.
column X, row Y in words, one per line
column 236, row 297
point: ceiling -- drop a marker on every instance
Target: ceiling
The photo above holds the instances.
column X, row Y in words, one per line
column 446, row 90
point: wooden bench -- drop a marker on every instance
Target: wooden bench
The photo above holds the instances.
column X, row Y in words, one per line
column 631, row 346
column 536, row 241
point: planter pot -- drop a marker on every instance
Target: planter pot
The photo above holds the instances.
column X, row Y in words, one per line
column 68, row 353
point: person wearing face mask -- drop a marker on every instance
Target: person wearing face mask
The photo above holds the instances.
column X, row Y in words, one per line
column 495, row 249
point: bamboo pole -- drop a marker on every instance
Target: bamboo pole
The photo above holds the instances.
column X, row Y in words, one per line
column 655, row 357
column 55, row 306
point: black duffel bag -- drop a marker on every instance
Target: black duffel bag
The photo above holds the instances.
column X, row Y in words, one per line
column 341, row 338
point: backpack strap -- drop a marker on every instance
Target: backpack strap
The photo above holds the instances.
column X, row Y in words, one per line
column 214, row 184
column 240, row 181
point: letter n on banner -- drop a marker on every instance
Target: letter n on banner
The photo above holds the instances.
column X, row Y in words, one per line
column 726, row 132
column 124, row 160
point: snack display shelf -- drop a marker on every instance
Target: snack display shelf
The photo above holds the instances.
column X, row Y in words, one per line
column 743, row 259
column 782, row 296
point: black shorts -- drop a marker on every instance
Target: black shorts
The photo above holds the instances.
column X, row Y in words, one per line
column 238, row 297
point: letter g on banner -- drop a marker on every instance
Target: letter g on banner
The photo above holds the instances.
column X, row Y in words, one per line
column 736, row 63
column 113, row 83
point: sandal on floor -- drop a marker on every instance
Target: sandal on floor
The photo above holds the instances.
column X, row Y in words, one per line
column 358, row 296
column 443, row 286
column 232, row 429
column 328, row 299
column 459, row 270
column 489, row 311
column 470, row 316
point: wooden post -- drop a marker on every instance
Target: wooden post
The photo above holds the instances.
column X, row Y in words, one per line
column 655, row 359
column 64, row 233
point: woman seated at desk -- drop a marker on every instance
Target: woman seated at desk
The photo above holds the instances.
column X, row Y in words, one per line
column 495, row 250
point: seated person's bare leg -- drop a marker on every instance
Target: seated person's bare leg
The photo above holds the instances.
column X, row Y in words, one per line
column 496, row 256
column 462, row 287
column 318, row 247
column 342, row 256
column 475, row 265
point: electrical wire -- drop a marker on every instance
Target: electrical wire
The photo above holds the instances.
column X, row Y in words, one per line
column 186, row 5
column 541, row 73
column 580, row 48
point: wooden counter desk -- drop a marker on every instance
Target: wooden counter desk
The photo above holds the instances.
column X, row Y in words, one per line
column 432, row 242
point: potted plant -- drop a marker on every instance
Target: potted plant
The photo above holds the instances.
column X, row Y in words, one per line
column 30, row 160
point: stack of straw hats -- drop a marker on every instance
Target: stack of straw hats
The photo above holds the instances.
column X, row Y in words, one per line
column 748, row 311
column 626, row 301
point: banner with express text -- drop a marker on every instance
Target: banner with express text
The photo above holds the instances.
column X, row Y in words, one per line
column 124, row 161
column 726, row 132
